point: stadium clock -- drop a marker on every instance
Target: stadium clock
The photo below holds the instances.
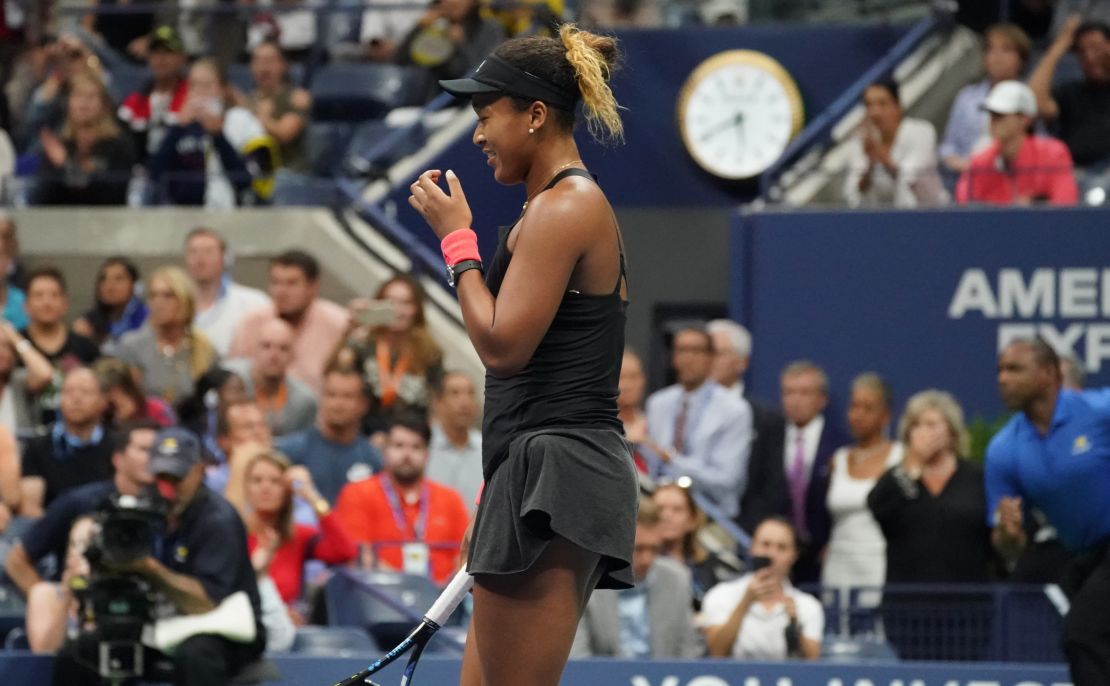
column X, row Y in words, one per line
column 737, row 112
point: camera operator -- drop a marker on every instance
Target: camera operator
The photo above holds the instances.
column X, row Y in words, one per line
column 200, row 559
column 48, row 602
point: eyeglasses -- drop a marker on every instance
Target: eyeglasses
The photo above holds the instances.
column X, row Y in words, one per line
column 167, row 295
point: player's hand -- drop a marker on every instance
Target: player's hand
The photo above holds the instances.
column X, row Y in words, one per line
column 444, row 213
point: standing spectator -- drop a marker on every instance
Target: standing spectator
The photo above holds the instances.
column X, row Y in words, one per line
column 319, row 324
column 13, row 301
column 697, row 428
column 412, row 523
column 450, row 39
column 930, row 505
column 279, row 546
column 90, row 162
column 168, row 352
column 118, row 308
column 630, row 405
column 283, row 109
column 1052, row 455
column 201, row 159
column 75, row 452
column 893, row 160
column 1006, row 51
column 654, row 619
column 857, row 550
column 290, row 406
column 24, row 371
column 680, row 526
column 126, row 401
column 47, row 305
column 400, row 362
column 1018, row 167
column 221, row 302
column 150, row 112
column 455, row 453
column 16, row 274
column 335, row 451
column 1079, row 109
column 761, row 616
column 792, row 477
column 63, row 58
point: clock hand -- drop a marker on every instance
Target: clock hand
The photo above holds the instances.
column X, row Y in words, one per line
column 737, row 120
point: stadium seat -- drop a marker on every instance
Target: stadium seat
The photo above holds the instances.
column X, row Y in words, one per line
column 856, row 649
column 126, row 79
column 349, row 603
column 333, row 641
column 357, row 92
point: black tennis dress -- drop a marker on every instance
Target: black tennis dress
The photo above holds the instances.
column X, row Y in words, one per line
column 554, row 455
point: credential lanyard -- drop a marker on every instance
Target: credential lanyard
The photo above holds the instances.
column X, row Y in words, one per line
column 417, row 529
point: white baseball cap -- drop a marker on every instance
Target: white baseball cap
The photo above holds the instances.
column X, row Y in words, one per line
column 1011, row 97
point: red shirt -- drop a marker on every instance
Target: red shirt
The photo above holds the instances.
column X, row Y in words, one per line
column 1042, row 171
column 370, row 517
column 333, row 546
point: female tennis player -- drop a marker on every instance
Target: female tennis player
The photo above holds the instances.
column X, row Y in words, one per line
column 558, row 514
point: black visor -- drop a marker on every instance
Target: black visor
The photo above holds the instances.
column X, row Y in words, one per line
column 495, row 75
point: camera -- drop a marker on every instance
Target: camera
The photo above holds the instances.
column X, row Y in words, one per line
column 114, row 606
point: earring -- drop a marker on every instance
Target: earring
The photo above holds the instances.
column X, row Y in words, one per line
column 531, row 131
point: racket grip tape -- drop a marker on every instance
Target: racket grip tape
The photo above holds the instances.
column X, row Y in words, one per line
column 450, row 598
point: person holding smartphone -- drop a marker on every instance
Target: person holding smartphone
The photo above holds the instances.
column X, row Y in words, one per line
column 761, row 616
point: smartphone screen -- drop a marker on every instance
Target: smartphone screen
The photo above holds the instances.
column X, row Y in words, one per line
column 759, row 562
column 376, row 313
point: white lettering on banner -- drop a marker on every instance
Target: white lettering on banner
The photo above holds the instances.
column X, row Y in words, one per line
column 1066, row 293
column 710, row 680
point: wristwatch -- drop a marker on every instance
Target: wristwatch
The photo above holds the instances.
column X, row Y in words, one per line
column 454, row 271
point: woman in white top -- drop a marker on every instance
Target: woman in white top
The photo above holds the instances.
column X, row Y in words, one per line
column 857, row 549
column 893, row 160
column 761, row 616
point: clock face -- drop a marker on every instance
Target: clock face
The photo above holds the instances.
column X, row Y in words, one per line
column 737, row 113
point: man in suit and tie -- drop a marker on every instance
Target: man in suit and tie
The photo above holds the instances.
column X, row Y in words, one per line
column 698, row 429
column 789, row 476
column 654, row 619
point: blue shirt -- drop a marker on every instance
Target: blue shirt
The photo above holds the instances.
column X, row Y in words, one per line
column 15, row 308
column 1066, row 473
column 332, row 465
column 967, row 122
column 632, row 604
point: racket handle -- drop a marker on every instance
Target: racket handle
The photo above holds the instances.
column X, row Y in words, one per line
column 447, row 601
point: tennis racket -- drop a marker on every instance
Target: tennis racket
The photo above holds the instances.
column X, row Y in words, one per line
column 441, row 609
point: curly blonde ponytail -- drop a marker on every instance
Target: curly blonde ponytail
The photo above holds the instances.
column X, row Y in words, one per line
column 593, row 58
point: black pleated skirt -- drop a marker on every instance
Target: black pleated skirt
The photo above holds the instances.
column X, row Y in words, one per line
column 573, row 482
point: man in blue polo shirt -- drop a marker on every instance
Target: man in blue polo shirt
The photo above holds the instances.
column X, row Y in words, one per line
column 1054, row 454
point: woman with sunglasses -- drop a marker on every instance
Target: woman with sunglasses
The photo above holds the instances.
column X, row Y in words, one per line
column 548, row 323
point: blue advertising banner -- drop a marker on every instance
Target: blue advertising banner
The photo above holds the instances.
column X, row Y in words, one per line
column 317, row 671
column 926, row 299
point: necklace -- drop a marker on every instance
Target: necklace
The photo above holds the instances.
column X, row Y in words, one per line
column 553, row 175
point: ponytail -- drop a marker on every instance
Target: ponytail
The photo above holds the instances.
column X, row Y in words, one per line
column 593, row 58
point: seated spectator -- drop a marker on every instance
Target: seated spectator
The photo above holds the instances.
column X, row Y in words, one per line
column 63, row 58
column 335, row 451
column 680, row 523
column 1006, row 51
column 761, row 616
column 383, row 25
column 90, row 162
column 630, row 405
column 152, row 110
column 221, row 301
column 126, row 401
column 319, row 324
column 47, row 305
column 9, row 477
column 856, row 552
column 455, row 453
column 12, row 298
column 893, row 160
column 930, row 506
column 200, row 413
column 399, row 361
column 1018, row 167
column 241, row 434
column 7, row 165
column 283, row 109
column 412, row 524
column 16, row 274
column 74, row 453
column 652, row 620
column 290, row 406
column 448, row 41
column 713, row 450
column 48, row 601
column 201, row 159
column 279, row 547
column 168, row 352
column 118, row 308
column 24, row 372
column 1079, row 110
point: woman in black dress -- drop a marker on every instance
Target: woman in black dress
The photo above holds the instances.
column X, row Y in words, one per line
column 558, row 515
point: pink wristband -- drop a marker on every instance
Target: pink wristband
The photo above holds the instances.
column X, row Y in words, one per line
column 459, row 246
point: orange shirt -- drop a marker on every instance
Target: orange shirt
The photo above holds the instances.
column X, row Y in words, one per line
column 369, row 517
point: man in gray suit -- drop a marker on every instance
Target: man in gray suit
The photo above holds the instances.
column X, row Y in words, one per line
column 653, row 620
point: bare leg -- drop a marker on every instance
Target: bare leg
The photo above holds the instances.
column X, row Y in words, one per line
column 47, row 610
column 524, row 624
